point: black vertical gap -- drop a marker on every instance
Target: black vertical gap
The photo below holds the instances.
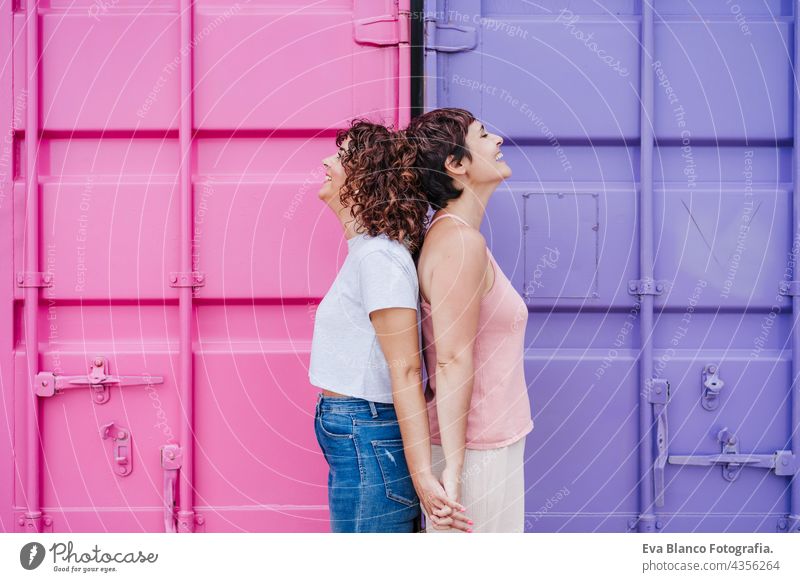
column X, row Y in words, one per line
column 417, row 57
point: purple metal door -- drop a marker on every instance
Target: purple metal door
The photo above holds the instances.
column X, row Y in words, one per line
column 649, row 224
column 163, row 251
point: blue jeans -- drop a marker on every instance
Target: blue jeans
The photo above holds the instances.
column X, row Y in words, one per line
column 369, row 486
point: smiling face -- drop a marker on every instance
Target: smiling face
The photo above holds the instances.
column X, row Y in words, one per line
column 487, row 165
column 334, row 178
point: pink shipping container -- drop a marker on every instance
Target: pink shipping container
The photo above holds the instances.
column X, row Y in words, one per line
column 163, row 249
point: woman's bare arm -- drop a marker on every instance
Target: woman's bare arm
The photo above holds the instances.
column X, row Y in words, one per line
column 456, row 288
column 397, row 333
column 396, row 329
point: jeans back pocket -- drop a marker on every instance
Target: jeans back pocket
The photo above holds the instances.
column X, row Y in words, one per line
column 394, row 469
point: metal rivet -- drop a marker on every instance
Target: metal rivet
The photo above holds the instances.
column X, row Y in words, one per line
column 174, row 278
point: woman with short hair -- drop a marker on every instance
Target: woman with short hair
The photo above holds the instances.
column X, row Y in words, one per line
column 473, row 327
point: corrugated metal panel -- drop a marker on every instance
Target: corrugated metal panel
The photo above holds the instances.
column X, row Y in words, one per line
column 176, row 168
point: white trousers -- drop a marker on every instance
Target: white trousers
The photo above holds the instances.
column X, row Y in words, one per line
column 492, row 488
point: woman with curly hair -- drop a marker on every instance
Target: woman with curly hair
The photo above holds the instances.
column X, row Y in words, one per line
column 365, row 353
column 473, row 325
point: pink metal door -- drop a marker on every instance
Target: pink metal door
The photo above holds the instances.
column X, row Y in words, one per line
column 164, row 249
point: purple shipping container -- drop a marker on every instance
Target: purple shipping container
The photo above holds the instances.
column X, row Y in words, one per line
column 649, row 224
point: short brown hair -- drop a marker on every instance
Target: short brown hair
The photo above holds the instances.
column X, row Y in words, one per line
column 435, row 135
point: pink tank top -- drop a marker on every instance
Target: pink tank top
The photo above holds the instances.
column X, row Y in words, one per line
column 499, row 412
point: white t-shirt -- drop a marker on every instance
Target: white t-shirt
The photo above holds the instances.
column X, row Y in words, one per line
column 346, row 355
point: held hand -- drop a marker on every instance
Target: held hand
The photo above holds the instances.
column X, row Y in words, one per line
column 443, row 511
column 446, row 517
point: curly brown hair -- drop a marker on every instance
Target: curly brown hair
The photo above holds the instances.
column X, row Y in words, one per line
column 381, row 187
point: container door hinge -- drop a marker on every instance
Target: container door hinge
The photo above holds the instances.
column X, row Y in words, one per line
column 33, row 523
column 385, row 30
column 790, row 524
column 645, row 524
column 782, row 462
column 449, row 38
column 789, row 288
column 47, row 384
column 193, row 279
column 658, row 397
column 34, row 279
column 123, row 452
column 646, row 287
